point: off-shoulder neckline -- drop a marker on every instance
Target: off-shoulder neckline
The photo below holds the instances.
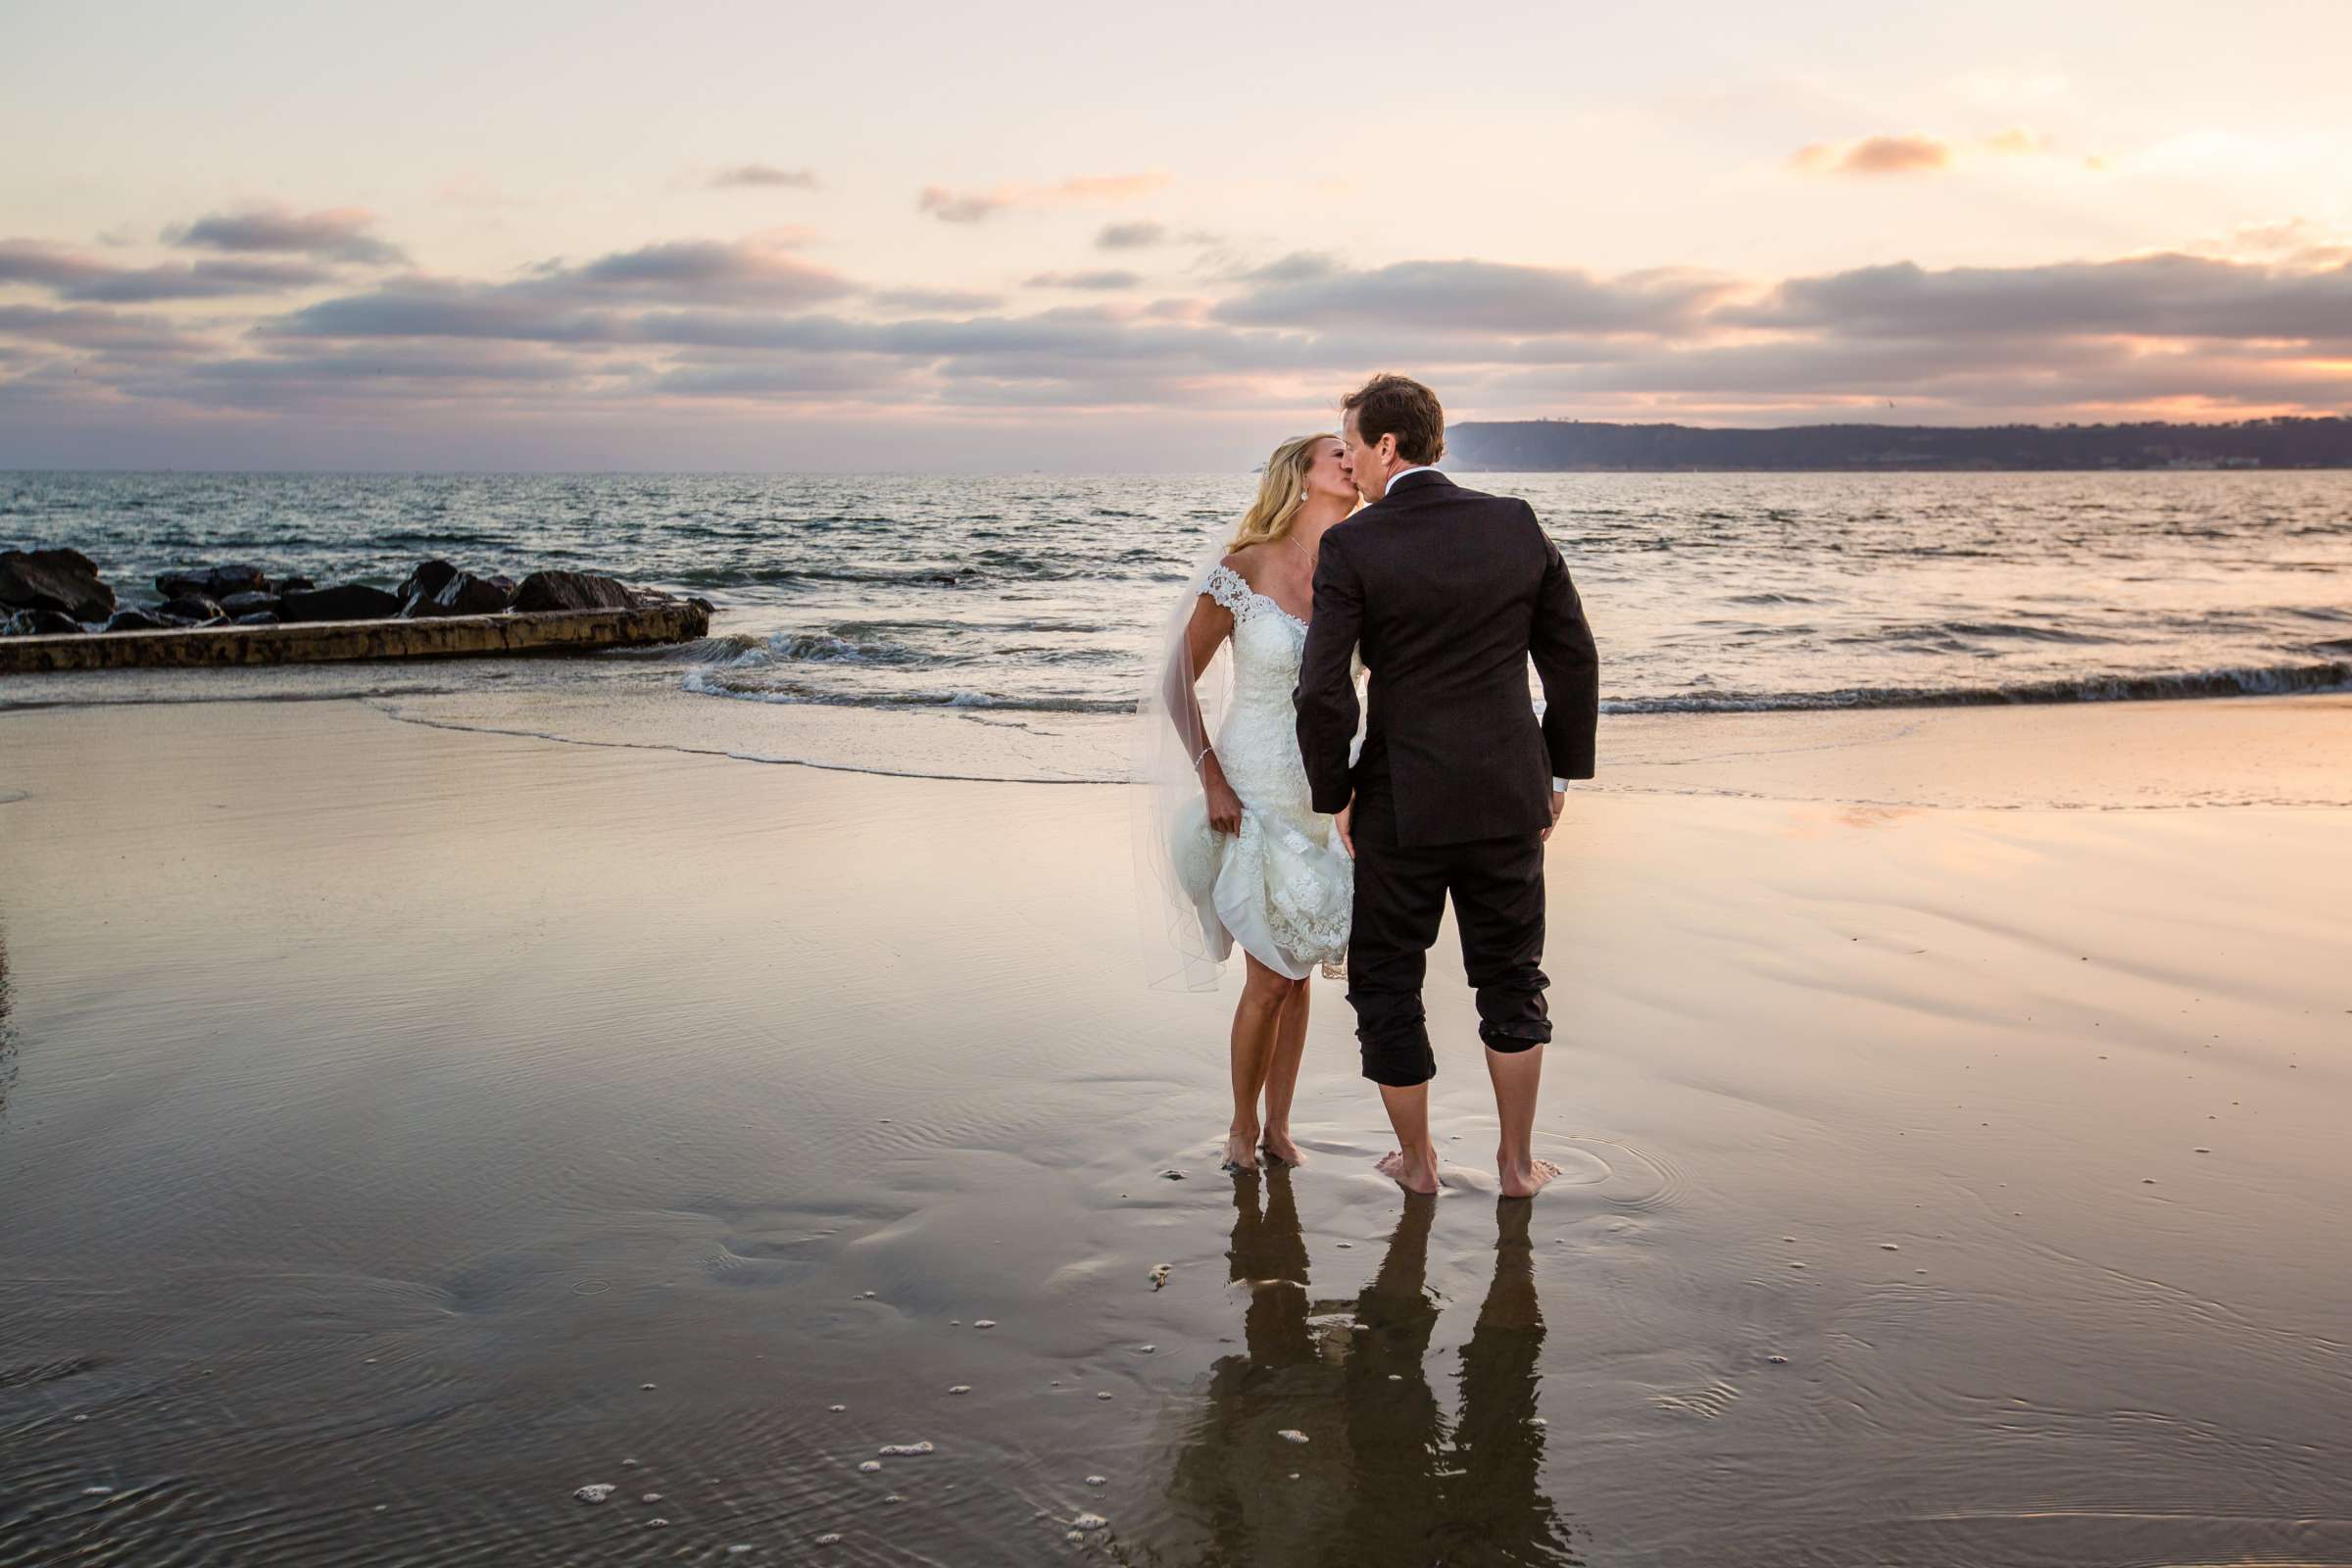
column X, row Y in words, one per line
column 1269, row 599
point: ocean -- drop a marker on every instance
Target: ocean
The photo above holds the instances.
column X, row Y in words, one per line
column 996, row 625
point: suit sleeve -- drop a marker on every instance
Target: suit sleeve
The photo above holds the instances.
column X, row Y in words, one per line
column 1326, row 696
column 1567, row 664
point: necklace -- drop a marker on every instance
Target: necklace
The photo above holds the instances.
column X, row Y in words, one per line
column 1293, row 542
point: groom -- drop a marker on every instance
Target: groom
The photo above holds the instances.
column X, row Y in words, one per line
column 1448, row 593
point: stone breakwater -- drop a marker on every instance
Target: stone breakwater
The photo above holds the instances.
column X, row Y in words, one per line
column 56, row 613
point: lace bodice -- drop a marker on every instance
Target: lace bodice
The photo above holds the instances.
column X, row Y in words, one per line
column 1267, row 641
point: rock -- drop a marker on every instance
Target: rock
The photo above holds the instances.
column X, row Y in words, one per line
column 212, row 582
column 349, row 602
column 221, row 582
column 38, row 623
column 65, row 581
column 463, row 594
column 573, row 590
column 245, row 603
column 427, row 579
column 259, row 617
column 190, row 609
column 295, row 585
column 137, row 620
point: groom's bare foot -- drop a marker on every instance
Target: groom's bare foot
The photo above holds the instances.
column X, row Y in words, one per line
column 1414, row 1175
column 1241, row 1151
column 1528, row 1178
column 1278, row 1146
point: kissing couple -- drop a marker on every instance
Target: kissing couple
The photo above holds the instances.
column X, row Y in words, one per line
column 1283, row 825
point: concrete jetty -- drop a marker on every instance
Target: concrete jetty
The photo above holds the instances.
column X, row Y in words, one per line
column 559, row 632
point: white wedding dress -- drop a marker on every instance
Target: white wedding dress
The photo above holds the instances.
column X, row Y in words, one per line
column 1282, row 886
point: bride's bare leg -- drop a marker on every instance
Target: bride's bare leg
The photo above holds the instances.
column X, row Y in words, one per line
column 1282, row 1077
column 1256, row 1023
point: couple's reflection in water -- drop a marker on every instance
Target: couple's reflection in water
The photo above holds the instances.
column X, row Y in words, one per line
column 1386, row 1476
column 8, row 1038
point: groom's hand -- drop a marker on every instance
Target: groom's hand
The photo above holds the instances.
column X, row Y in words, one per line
column 1345, row 822
column 1559, row 799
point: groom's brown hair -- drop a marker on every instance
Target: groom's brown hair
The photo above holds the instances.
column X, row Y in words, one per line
column 1400, row 405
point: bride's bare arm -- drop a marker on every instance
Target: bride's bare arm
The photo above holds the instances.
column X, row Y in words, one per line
column 1210, row 625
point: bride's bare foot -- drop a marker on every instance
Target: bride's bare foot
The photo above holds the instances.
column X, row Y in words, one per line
column 1278, row 1146
column 1241, row 1151
column 1418, row 1175
column 1528, row 1179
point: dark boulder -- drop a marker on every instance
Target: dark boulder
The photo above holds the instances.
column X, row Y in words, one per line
column 190, row 609
column 38, row 623
column 222, row 581
column 573, row 590
column 212, row 582
column 349, row 600
column 259, row 617
column 462, row 595
column 295, row 585
column 427, row 579
column 245, row 603
column 137, row 620
column 65, row 581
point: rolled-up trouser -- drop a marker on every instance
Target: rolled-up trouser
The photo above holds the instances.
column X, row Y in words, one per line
column 1497, row 888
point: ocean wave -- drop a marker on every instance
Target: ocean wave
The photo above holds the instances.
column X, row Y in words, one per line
column 2281, row 681
column 713, row 682
column 1946, row 632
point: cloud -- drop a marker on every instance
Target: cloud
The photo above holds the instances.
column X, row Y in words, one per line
column 73, row 277
column 685, row 328
column 1874, row 155
column 1509, row 301
column 950, row 208
column 763, row 176
column 338, row 234
column 1093, row 281
column 2166, row 296
column 934, row 300
column 1080, row 191
column 82, row 327
column 2018, row 143
column 751, row 271
column 1130, row 236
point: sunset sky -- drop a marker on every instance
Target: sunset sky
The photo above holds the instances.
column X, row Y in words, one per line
column 887, row 236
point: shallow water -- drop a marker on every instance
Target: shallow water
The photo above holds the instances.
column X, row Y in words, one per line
column 383, row 1108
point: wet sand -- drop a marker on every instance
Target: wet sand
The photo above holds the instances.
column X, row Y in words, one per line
column 402, row 1128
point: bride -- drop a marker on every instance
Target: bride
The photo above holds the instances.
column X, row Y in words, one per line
column 1240, row 852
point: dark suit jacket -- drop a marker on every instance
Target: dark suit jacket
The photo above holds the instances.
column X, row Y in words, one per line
column 1448, row 592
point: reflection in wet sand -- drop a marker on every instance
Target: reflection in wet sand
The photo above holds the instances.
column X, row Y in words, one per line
column 1382, row 1474
column 8, row 1036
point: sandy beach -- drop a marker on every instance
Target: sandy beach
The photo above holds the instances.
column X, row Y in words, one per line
column 403, row 1126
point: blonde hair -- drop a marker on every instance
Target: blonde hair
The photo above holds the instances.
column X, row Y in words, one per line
column 1280, row 492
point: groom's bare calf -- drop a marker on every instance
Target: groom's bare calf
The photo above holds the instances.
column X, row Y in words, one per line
column 1517, row 1076
column 1414, row 1164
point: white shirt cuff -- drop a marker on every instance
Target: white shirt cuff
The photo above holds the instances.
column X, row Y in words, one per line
column 1558, row 784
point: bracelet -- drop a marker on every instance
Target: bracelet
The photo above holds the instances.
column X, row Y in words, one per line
column 1205, row 751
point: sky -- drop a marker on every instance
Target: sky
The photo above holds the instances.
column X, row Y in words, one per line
column 891, row 237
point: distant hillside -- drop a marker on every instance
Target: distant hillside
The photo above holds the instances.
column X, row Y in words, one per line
column 1538, row 445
